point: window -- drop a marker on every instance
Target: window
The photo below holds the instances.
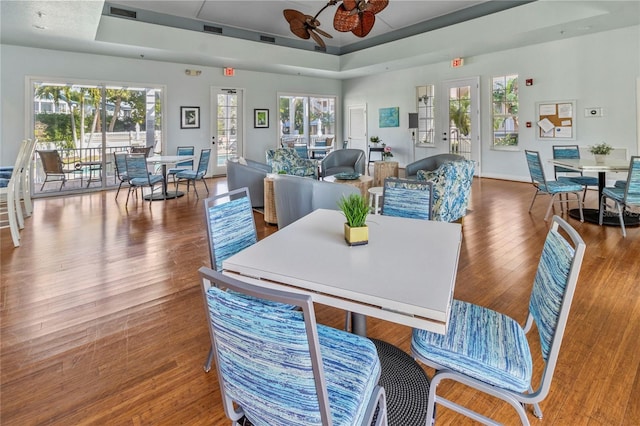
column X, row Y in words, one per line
column 72, row 117
column 505, row 110
column 426, row 115
column 306, row 119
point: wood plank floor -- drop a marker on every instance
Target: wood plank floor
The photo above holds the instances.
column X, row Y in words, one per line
column 102, row 319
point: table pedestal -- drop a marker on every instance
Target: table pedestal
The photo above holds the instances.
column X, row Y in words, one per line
column 383, row 170
column 405, row 383
column 609, row 218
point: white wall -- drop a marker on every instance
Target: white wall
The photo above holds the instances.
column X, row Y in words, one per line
column 17, row 63
column 598, row 70
column 595, row 70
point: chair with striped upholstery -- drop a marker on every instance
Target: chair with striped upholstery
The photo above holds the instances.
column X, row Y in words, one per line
column 550, row 187
column 276, row 366
column 489, row 351
column 139, row 176
column 230, row 228
column 195, row 175
column 182, row 165
column 407, row 198
column 623, row 196
column 569, row 175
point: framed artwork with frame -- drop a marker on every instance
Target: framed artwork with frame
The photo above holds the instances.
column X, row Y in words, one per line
column 189, row 117
column 261, row 118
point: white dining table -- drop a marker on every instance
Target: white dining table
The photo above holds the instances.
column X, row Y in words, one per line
column 590, row 165
column 164, row 161
column 405, row 274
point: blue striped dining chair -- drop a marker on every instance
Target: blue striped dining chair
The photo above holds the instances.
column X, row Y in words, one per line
column 570, row 175
column 182, row 165
column 276, row 366
column 623, row 196
column 489, row 351
column 140, row 177
column 407, row 198
column 195, row 175
column 230, row 229
column 550, row 187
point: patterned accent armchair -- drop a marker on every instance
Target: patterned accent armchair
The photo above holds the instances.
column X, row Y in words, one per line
column 429, row 164
column 288, row 161
column 451, row 189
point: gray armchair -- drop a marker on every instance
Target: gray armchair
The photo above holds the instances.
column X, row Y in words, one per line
column 343, row 161
column 251, row 174
column 429, row 164
column 296, row 196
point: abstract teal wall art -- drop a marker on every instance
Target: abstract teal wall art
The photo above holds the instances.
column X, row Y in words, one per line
column 389, row 117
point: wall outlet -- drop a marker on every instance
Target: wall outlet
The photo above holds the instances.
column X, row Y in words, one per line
column 593, row 112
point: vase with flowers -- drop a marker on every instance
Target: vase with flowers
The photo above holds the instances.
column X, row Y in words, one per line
column 375, row 140
column 600, row 151
column 386, row 153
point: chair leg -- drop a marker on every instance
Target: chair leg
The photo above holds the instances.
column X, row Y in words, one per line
column 207, row 364
column 546, row 216
column 205, row 184
column 580, row 206
column 620, row 208
column 603, row 207
column 118, row 191
column 533, row 200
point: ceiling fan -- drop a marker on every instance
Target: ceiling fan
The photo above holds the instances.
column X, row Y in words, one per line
column 356, row 16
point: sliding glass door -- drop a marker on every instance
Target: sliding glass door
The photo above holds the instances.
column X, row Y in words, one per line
column 85, row 124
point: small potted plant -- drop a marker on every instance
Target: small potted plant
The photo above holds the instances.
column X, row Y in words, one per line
column 374, row 140
column 355, row 209
column 600, row 151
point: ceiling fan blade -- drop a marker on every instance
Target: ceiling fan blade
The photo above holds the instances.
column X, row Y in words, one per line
column 300, row 29
column 291, row 14
column 343, row 20
column 297, row 23
column 317, row 39
column 323, row 33
column 365, row 24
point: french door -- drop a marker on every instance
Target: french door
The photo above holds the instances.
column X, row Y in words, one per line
column 461, row 113
column 357, row 125
column 227, row 127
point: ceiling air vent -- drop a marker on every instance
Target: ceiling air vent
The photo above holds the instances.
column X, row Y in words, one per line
column 123, row 12
column 212, row 29
column 267, row 39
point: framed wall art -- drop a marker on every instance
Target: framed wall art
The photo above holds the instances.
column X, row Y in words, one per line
column 261, row 118
column 389, row 117
column 189, row 117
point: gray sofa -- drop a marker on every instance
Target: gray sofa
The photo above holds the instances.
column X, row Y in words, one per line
column 250, row 174
column 343, row 161
column 429, row 163
column 297, row 196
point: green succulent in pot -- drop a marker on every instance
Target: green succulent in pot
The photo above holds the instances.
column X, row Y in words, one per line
column 355, row 209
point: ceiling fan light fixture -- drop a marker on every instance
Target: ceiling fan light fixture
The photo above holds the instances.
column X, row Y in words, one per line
column 357, row 16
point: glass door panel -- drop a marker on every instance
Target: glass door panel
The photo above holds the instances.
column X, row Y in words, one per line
column 227, row 140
